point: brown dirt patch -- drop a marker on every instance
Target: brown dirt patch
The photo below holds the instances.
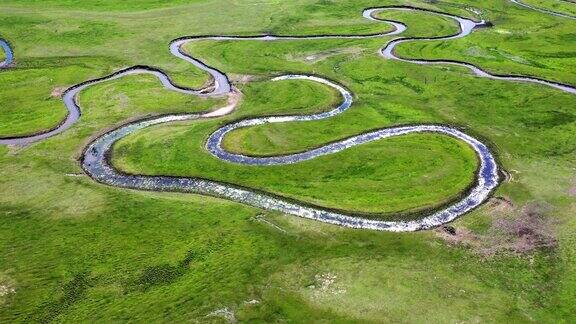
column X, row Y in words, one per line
column 242, row 78
column 520, row 231
column 501, row 205
column 458, row 236
column 57, row 92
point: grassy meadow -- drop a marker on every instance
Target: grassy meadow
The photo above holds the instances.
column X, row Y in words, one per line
column 566, row 7
column 73, row 250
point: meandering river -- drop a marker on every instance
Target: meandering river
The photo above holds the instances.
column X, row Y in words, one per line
column 95, row 158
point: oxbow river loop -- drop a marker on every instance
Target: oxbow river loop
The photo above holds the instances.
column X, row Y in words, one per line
column 95, row 163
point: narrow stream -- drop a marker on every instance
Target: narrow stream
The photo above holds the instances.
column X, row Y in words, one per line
column 8, row 53
column 96, row 165
column 95, row 158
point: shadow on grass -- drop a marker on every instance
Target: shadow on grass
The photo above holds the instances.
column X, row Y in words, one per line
column 158, row 275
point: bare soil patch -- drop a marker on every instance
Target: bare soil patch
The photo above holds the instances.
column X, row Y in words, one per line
column 242, row 78
column 7, row 288
column 57, row 92
column 521, row 230
column 225, row 313
column 326, row 284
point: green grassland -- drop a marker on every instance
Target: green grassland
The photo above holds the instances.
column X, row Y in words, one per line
column 74, row 250
column 566, row 7
column 544, row 47
column 417, row 162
